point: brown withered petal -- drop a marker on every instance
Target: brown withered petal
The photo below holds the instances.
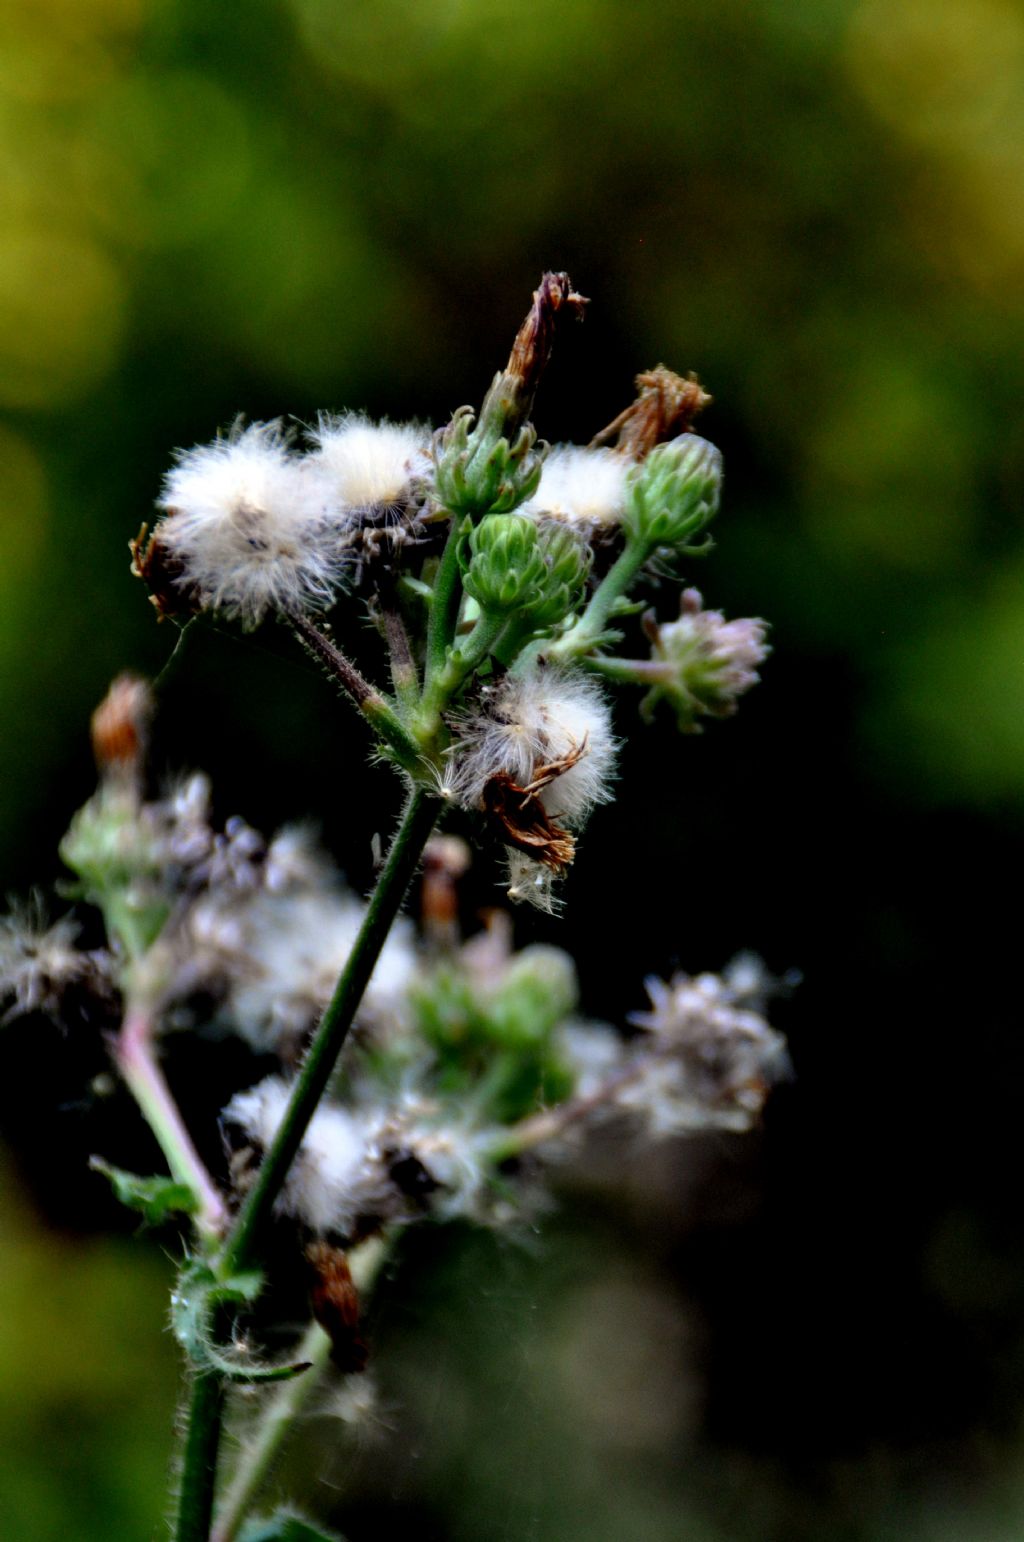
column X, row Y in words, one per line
column 526, row 824
column 161, row 572
column 335, row 1304
column 665, row 407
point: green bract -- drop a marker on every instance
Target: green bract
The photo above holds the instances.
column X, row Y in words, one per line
column 675, row 493
column 477, row 469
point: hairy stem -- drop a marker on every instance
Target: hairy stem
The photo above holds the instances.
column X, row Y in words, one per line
column 135, row 1053
column 199, row 1459
column 258, row 1456
column 366, row 697
column 403, row 858
column 588, row 630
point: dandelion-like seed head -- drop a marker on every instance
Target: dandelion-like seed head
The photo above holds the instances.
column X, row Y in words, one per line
column 368, row 464
column 547, row 730
column 581, row 487
column 250, row 527
column 39, row 961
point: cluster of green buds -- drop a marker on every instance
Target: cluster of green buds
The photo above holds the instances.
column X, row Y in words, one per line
column 513, row 566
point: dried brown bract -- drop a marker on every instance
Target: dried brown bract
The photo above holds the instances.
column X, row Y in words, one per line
column 666, row 406
column 335, row 1304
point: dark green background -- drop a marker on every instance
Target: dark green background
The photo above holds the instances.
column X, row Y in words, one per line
column 816, row 204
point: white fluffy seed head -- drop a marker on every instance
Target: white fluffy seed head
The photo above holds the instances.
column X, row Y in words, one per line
column 368, row 464
column 253, row 527
column 345, row 1170
column 285, row 952
column 550, row 729
column 585, row 488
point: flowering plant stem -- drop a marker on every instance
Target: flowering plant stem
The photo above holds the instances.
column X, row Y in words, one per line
column 260, row 1453
column 241, row 1246
column 589, row 631
column 370, row 702
column 136, row 1057
column 444, row 606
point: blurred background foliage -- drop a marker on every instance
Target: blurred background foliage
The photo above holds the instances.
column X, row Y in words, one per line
column 286, row 205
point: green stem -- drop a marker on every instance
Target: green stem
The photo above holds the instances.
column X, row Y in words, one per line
column 444, row 606
column 199, row 1461
column 459, row 664
column 136, row 1057
column 203, row 1429
column 631, row 671
column 261, row 1452
column 403, row 858
column 593, row 623
column 258, row 1457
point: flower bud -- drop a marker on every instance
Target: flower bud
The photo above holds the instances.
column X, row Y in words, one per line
column 675, row 493
column 477, row 470
column 505, row 567
column 706, row 662
column 514, row 565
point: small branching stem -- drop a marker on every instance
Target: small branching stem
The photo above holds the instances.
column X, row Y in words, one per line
column 135, row 1053
column 588, row 631
column 375, row 707
column 550, row 1123
column 258, row 1454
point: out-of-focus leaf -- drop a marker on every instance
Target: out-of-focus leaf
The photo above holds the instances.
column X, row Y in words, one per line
column 156, row 1198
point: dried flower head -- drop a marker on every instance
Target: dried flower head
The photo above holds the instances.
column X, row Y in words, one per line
column 250, row 528
column 39, row 962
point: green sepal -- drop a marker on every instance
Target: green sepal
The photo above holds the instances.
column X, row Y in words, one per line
column 195, row 1298
column 156, row 1198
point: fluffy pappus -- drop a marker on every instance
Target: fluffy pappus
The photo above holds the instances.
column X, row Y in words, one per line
column 359, row 1168
column 282, row 953
column 249, row 527
column 582, row 487
column 39, row 962
column 368, row 464
column 549, row 732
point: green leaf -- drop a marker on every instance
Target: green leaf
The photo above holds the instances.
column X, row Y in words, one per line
column 156, row 1198
column 285, row 1527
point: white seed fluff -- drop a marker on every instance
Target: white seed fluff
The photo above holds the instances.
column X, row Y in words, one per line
column 283, row 953
column 583, row 487
column 368, row 464
column 253, row 526
column 551, row 727
column 344, row 1169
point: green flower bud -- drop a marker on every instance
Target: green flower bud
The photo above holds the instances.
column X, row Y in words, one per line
column 512, row 565
column 505, row 567
column 477, row 469
column 675, row 492
column 567, row 559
